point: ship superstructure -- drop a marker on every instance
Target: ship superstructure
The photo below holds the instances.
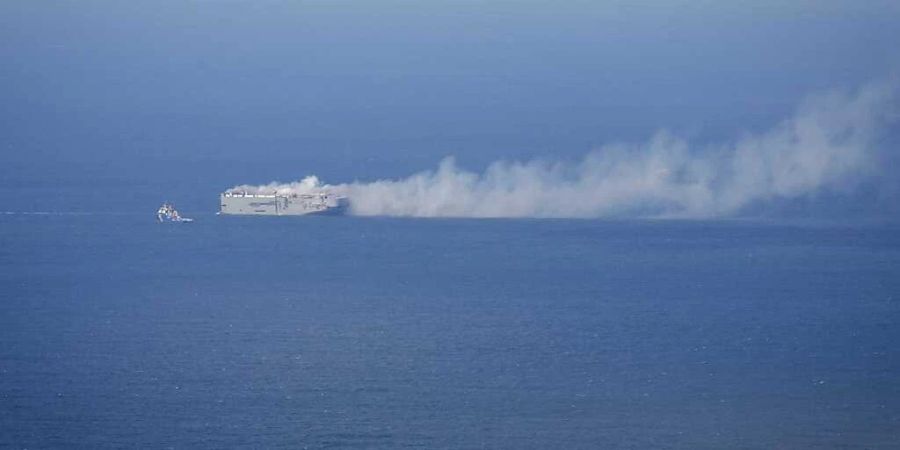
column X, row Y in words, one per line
column 275, row 204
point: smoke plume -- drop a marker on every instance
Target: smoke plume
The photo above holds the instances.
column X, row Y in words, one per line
column 829, row 143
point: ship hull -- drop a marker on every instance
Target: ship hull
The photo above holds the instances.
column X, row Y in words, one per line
column 277, row 205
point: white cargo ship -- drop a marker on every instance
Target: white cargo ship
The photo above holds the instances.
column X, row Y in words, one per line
column 275, row 204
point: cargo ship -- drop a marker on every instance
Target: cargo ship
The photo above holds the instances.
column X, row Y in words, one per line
column 275, row 204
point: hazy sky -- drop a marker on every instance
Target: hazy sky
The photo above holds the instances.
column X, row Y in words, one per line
column 263, row 90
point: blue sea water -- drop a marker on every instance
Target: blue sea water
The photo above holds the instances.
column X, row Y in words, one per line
column 335, row 332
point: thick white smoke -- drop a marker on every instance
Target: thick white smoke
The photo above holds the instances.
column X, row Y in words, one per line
column 307, row 185
column 829, row 143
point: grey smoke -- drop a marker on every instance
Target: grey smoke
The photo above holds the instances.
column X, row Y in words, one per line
column 829, row 143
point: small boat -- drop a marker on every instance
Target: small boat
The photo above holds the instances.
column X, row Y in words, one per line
column 168, row 213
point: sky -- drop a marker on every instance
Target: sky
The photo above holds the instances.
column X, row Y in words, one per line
column 186, row 98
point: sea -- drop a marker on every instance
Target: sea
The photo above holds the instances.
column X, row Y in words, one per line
column 351, row 332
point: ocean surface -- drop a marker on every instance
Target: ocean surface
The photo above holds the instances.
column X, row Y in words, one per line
column 341, row 332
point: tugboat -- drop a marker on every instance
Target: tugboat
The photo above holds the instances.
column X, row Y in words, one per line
column 168, row 213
